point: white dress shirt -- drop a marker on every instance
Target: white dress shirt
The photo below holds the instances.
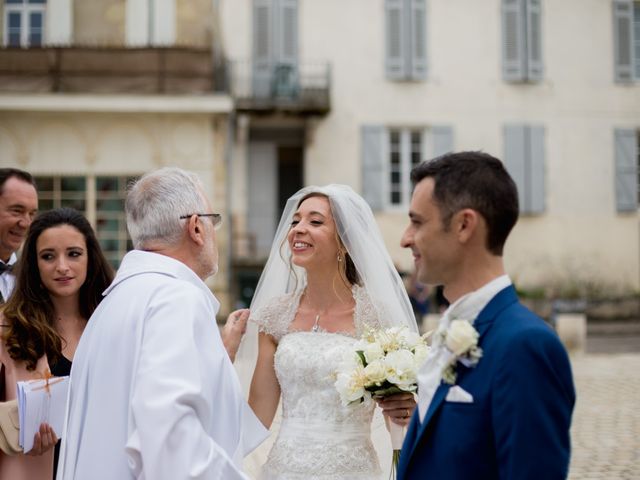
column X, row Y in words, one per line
column 8, row 279
column 466, row 307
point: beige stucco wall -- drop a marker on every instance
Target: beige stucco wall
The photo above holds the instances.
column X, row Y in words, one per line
column 580, row 236
column 99, row 22
column 194, row 22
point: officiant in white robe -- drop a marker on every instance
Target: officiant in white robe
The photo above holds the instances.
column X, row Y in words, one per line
column 153, row 392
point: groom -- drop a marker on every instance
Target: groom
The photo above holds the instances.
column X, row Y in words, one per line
column 496, row 392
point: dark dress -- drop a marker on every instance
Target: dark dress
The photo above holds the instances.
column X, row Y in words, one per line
column 59, row 369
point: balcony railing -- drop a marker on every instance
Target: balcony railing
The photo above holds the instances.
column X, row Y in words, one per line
column 300, row 88
column 150, row 70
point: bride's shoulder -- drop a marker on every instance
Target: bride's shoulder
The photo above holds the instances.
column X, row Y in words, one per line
column 274, row 317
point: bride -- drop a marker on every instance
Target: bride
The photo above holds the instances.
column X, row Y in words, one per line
column 327, row 280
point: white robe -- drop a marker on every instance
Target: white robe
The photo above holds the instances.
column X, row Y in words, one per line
column 153, row 393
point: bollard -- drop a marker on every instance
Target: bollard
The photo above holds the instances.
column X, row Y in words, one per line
column 572, row 330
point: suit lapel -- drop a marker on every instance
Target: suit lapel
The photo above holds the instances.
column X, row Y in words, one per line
column 482, row 324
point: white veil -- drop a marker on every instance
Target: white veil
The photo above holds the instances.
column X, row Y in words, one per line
column 362, row 239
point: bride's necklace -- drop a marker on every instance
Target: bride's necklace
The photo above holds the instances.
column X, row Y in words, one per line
column 316, row 327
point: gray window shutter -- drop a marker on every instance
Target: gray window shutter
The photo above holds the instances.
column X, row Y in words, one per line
column 513, row 40
column 623, row 40
column 287, row 31
column 535, row 166
column 262, row 48
column 418, row 40
column 442, row 140
column 636, row 39
column 394, row 43
column 626, row 156
column 534, row 40
column 514, row 159
column 373, row 165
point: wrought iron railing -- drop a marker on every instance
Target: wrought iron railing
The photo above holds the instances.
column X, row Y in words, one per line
column 301, row 87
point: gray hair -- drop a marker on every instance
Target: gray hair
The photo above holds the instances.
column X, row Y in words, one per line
column 156, row 201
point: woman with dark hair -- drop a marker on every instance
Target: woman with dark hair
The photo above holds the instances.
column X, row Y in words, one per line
column 59, row 282
column 329, row 279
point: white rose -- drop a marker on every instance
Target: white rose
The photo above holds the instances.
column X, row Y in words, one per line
column 350, row 386
column 420, row 353
column 401, row 368
column 410, row 339
column 373, row 352
column 375, row 372
column 461, row 336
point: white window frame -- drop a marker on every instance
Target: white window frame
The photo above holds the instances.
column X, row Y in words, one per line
column 25, row 9
column 91, row 197
column 405, row 164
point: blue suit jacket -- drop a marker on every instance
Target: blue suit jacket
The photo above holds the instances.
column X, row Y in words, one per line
column 518, row 424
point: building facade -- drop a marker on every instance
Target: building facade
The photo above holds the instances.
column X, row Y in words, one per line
column 94, row 94
column 411, row 79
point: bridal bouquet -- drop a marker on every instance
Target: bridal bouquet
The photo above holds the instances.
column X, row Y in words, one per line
column 383, row 362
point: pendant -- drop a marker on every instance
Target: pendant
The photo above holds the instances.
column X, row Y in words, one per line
column 315, row 324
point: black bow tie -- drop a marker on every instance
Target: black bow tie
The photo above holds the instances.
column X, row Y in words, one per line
column 5, row 268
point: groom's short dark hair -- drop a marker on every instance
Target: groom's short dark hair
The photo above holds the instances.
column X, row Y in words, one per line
column 474, row 180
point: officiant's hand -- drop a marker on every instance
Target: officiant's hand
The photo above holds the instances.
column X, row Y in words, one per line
column 43, row 441
column 233, row 331
column 398, row 408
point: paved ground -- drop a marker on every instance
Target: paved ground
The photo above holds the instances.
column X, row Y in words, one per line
column 606, row 422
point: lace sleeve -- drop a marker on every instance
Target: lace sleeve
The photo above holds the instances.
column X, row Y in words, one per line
column 369, row 314
column 275, row 317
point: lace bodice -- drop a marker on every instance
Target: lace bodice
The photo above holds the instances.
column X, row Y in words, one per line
column 319, row 438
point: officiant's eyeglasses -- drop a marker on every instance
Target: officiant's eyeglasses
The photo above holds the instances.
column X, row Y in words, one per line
column 216, row 218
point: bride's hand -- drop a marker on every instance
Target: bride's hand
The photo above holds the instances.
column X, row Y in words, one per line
column 43, row 441
column 398, row 408
column 233, row 330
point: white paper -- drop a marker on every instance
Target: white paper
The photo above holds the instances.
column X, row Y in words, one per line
column 41, row 401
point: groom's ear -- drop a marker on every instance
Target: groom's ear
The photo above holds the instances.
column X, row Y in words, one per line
column 465, row 224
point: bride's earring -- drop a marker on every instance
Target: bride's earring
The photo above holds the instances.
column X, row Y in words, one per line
column 339, row 257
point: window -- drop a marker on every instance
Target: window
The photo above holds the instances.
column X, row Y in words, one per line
column 406, row 39
column 24, row 22
column 106, row 211
column 524, row 159
column 627, row 169
column 405, row 152
column 389, row 154
column 275, row 48
column 521, row 40
column 626, row 33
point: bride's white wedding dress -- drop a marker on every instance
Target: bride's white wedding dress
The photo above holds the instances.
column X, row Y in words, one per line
column 319, row 437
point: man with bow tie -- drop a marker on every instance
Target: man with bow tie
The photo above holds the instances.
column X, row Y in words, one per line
column 18, row 206
column 496, row 394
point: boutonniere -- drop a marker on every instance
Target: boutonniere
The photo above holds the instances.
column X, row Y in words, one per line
column 461, row 339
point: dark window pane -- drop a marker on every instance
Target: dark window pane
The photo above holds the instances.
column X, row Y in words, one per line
column 73, row 203
column 74, row 184
column 395, row 198
column 44, row 184
column 395, row 177
column 14, row 39
column 35, row 39
column 14, row 20
column 35, row 20
column 113, row 205
column 415, row 158
column 394, row 138
column 109, row 244
column 395, row 158
column 13, row 1
column 107, row 184
column 44, row 205
column 38, row 1
column 107, row 225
